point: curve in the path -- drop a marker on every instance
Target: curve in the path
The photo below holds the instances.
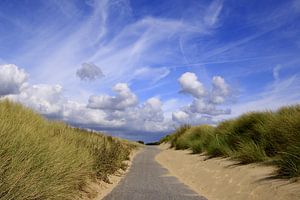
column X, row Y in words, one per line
column 148, row 180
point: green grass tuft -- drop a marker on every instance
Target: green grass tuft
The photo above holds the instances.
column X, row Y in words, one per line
column 41, row 159
column 249, row 152
column 252, row 137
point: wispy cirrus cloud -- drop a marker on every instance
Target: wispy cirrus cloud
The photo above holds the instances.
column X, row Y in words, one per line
column 143, row 52
column 151, row 74
column 135, row 43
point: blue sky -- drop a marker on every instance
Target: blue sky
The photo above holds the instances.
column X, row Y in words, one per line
column 139, row 68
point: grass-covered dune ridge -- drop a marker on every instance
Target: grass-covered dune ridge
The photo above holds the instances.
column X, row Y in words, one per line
column 41, row 159
column 270, row 137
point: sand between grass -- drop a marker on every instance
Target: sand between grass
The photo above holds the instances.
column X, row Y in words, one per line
column 222, row 179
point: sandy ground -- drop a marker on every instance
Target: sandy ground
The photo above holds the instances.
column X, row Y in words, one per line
column 102, row 188
column 220, row 178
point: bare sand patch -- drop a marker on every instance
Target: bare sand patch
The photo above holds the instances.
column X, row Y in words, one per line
column 222, row 179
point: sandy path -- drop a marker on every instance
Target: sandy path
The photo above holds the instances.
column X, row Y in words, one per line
column 148, row 180
column 221, row 179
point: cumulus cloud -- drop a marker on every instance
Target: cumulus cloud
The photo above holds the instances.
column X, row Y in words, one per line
column 220, row 90
column 12, row 79
column 124, row 99
column 148, row 117
column 152, row 110
column 120, row 112
column 124, row 108
column 204, row 105
column 78, row 114
column 180, row 116
column 49, row 100
column 191, row 85
column 89, row 72
column 46, row 99
column 186, row 117
column 200, row 106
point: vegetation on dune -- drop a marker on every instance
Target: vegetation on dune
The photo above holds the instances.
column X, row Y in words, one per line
column 41, row 159
column 179, row 132
column 252, row 137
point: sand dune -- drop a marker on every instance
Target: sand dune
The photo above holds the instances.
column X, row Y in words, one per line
column 223, row 179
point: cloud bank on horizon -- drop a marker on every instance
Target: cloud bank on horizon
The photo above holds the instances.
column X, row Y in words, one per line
column 139, row 68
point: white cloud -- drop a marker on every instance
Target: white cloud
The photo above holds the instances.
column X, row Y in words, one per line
column 204, row 105
column 46, row 99
column 220, row 90
column 12, row 79
column 154, row 103
column 152, row 110
column 89, row 72
column 200, row 106
column 180, row 116
column 186, row 117
column 49, row 100
column 148, row 116
column 191, row 85
column 124, row 99
column 109, row 37
column 77, row 113
column 121, row 44
column 120, row 112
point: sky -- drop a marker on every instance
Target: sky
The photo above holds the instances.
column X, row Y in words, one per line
column 138, row 69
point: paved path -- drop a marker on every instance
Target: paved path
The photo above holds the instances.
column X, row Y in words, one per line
column 148, row 180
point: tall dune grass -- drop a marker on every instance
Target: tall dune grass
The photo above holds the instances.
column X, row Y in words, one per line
column 252, row 137
column 41, row 159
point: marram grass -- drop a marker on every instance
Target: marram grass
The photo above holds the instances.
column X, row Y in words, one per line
column 252, row 137
column 41, row 159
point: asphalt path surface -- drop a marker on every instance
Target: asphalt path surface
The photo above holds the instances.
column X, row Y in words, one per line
column 148, row 180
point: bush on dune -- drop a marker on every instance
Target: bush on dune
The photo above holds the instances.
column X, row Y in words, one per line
column 40, row 159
